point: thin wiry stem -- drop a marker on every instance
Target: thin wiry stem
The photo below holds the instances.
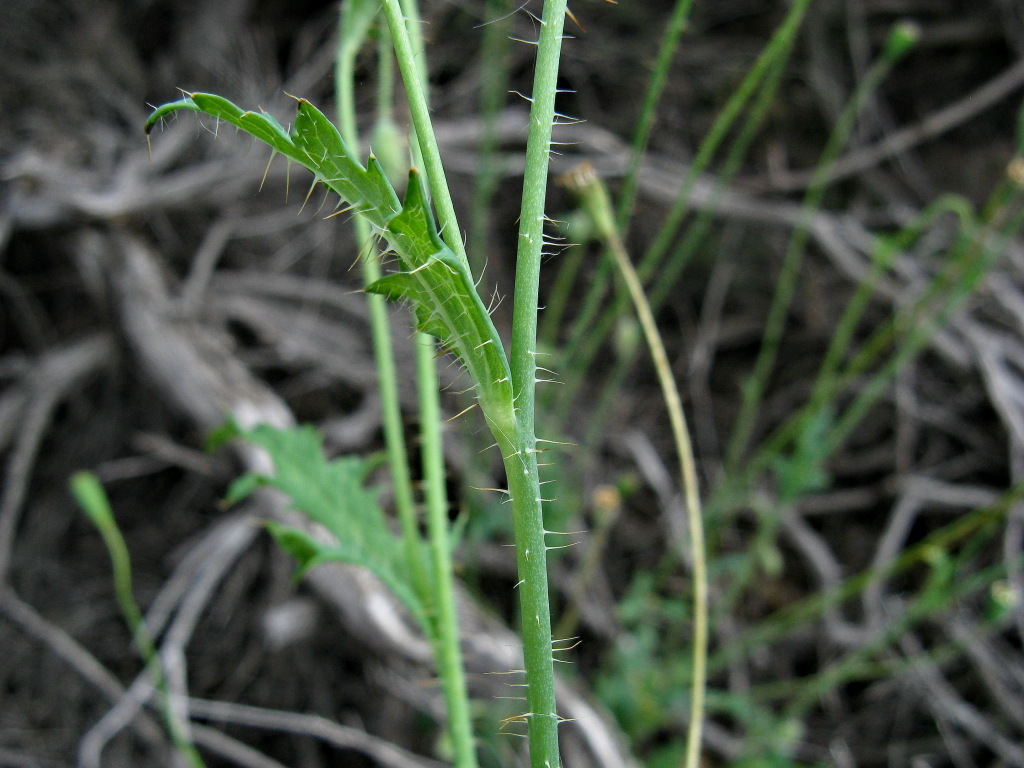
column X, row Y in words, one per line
column 585, row 183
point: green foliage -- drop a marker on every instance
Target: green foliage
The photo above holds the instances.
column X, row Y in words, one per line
column 431, row 276
column 802, row 471
column 334, row 494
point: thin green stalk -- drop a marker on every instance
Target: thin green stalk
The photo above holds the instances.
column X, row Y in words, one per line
column 494, row 57
column 517, row 440
column 774, row 54
column 385, row 76
column 945, row 585
column 953, row 288
column 890, row 668
column 760, row 84
column 521, row 455
column 776, row 51
column 842, row 341
column 907, row 331
column 788, row 620
column 645, row 123
column 627, row 197
column 387, row 141
column 93, row 500
column 532, row 216
column 593, row 302
column 902, row 39
column 585, row 182
column 440, row 598
column 415, row 92
column 352, row 35
column 449, row 655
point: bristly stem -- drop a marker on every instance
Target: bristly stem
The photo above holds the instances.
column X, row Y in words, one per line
column 519, row 448
column 532, row 215
column 521, row 457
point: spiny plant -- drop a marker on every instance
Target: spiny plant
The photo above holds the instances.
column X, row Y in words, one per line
column 446, row 304
column 432, row 274
column 431, row 277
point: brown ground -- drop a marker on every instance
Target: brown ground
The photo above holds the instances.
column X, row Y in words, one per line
column 147, row 293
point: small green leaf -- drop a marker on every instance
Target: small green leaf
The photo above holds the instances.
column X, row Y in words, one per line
column 222, row 435
column 242, row 486
column 335, row 495
column 296, row 543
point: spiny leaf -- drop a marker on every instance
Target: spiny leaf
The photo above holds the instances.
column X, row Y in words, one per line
column 447, row 305
column 334, row 494
column 436, row 281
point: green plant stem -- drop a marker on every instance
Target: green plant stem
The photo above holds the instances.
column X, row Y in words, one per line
column 387, row 376
column 760, row 84
column 415, row 90
column 532, row 216
column 440, row 597
column 93, row 500
column 494, row 57
column 906, row 333
column 385, row 76
column 520, row 456
column 531, row 560
column 774, row 54
column 790, row 619
column 585, row 182
column 449, row 655
column 645, row 123
column 761, row 76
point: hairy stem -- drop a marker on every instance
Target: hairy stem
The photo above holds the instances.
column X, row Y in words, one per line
column 520, row 456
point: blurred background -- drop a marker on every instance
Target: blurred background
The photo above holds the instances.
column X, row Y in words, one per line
column 830, row 234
